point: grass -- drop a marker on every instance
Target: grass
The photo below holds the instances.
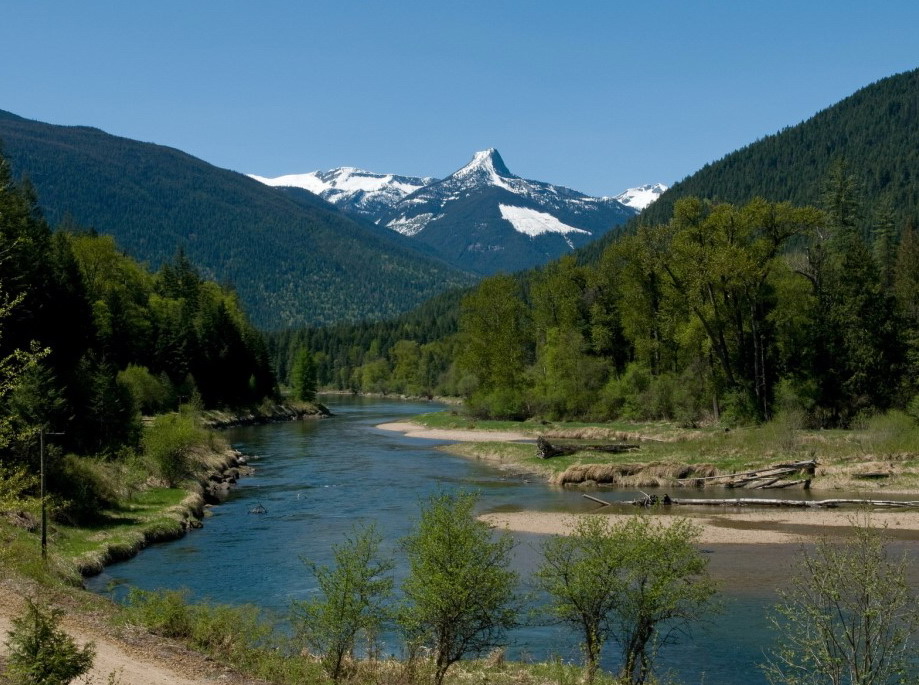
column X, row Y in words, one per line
column 117, row 533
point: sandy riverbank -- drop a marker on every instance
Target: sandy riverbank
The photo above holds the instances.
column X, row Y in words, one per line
column 735, row 527
column 413, row 430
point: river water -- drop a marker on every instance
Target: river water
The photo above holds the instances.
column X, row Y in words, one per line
column 317, row 478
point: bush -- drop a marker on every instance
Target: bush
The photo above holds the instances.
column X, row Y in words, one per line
column 849, row 617
column 459, row 593
column 165, row 613
column 87, row 486
column 168, row 444
column 504, row 403
column 149, row 392
column 41, row 653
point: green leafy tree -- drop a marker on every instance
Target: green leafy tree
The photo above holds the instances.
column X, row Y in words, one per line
column 582, row 574
column 850, row 617
column 636, row 582
column 41, row 653
column 303, row 376
column 459, row 593
column 351, row 602
column 496, row 344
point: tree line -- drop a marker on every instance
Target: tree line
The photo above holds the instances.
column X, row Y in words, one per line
column 90, row 339
column 725, row 312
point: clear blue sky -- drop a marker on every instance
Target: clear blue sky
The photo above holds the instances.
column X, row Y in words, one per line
column 597, row 96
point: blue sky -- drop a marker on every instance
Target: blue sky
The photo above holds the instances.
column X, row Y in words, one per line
column 597, row 96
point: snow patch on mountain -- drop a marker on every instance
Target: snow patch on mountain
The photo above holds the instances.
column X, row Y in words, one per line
column 414, row 225
column 642, row 196
column 533, row 223
column 362, row 191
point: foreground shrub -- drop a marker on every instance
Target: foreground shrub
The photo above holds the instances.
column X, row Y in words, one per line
column 459, row 593
column 351, row 601
column 850, row 617
column 635, row 581
column 41, row 653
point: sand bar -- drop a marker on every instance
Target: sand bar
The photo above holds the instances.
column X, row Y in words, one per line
column 414, row 430
column 748, row 527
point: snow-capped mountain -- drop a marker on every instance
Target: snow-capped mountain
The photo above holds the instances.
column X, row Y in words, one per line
column 642, row 196
column 484, row 218
column 481, row 217
column 354, row 190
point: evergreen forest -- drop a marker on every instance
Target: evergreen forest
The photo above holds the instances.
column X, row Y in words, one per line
column 90, row 340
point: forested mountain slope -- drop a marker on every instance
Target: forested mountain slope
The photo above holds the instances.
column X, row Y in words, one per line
column 292, row 262
column 875, row 131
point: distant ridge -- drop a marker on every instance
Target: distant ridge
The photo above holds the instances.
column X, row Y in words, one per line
column 292, row 260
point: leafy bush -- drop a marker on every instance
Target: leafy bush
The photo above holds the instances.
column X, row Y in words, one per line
column 504, row 403
column 168, row 443
column 151, row 394
column 87, row 485
column 165, row 613
column 41, row 653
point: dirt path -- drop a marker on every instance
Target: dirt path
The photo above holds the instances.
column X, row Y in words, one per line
column 135, row 656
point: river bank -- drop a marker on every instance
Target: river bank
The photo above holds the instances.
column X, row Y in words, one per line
column 875, row 460
column 670, row 456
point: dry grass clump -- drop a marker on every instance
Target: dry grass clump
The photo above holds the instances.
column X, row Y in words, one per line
column 601, row 433
column 653, row 474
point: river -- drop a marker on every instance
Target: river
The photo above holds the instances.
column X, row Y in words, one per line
column 318, row 478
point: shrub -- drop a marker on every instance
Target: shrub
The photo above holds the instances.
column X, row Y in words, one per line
column 849, row 618
column 86, row 485
column 459, row 593
column 41, row 653
column 149, row 392
column 168, row 444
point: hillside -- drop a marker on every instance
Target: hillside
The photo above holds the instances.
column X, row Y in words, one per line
column 875, row 130
column 292, row 261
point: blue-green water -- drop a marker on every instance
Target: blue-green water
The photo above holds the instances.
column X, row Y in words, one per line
column 317, row 478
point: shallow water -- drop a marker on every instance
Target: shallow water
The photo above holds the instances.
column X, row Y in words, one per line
column 317, row 478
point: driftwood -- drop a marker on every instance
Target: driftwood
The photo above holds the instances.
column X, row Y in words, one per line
column 764, row 478
column 546, row 450
column 758, row 502
column 599, row 501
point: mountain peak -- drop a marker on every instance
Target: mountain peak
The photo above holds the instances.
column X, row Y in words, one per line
column 487, row 160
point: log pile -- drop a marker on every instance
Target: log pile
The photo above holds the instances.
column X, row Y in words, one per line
column 546, row 450
column 766, row 478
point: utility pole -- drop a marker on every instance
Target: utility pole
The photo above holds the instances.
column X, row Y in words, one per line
column 44, row 512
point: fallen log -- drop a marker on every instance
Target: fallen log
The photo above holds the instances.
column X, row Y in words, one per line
column 546, row 450
column 801, row 503
column 809, row 466
column 598, row 500
column 805, row 482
